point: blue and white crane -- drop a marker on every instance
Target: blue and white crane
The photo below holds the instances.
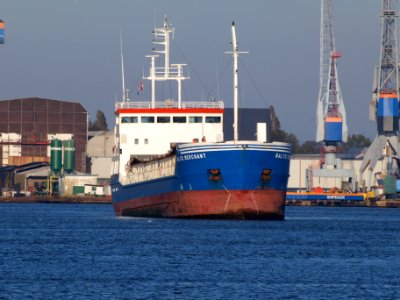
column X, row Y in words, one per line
column 384, row 107
column 331, row 114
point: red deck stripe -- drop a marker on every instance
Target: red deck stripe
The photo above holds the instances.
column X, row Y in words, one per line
column 169, row 110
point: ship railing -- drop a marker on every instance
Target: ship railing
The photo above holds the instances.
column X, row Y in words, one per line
column 173, row 72
column 170, row 104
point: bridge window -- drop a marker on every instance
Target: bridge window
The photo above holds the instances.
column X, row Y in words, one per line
column 179, row 119
column 129, row 120
column 163, row 119
column 194, row 119
column 213, row 119
column 147, row 119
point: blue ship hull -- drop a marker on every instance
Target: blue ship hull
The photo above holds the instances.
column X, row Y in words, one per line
column 221, row 180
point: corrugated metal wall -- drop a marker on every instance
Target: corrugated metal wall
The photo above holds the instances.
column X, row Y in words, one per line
column 35, row 118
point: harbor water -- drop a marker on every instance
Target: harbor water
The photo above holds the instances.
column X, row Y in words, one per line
column 78, row 251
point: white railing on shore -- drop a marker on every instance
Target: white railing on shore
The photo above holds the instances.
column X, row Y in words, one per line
column 170, row 104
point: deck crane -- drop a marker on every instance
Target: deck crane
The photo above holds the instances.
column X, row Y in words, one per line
column 384, row 107
column 331, row 114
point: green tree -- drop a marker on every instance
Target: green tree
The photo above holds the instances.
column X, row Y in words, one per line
column 309, row 147
column 292, row 139
column 100, row 124
column 279, row 135
column 356, row 141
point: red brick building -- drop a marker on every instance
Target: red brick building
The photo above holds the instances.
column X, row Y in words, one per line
column 27, row 125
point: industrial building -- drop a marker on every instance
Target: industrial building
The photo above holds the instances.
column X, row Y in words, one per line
column 28, row 125
column 99, row 152
column 301, row 180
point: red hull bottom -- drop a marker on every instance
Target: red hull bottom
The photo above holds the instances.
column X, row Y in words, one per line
column 247, row 204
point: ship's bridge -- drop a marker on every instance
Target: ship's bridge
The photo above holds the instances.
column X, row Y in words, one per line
column 145, row 130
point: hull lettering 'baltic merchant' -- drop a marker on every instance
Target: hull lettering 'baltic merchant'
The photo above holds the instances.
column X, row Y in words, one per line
column 192, row 156
column 170, row 159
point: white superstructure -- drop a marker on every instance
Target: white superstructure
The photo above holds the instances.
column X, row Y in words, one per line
column 150, row 128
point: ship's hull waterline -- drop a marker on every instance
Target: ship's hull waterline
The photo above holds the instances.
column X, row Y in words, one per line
column 244, row 204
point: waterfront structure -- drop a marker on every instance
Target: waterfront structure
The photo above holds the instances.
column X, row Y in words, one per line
column 100, row 149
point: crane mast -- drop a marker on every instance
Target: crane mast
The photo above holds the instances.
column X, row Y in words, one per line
column 388, row 72
column 384, row 107
column 331, row 114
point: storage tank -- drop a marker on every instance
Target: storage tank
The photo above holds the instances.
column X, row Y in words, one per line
column 69, row 156
column 56, row 156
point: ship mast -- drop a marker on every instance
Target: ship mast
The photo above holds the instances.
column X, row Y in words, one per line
column 124, row 91
column 170, row 71
column 235, row 55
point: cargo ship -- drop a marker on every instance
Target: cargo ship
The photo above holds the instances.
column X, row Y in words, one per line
column 170, row 158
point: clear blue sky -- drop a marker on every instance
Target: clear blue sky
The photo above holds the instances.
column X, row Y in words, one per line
column 69, row 50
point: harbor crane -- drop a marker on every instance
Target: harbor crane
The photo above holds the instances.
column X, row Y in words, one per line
column 384, row 107
column 2, row 25
column 331, row 114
